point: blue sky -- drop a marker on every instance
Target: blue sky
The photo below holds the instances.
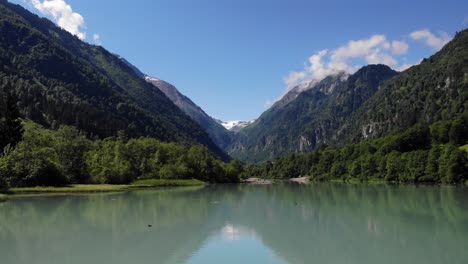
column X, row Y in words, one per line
column 235, row 58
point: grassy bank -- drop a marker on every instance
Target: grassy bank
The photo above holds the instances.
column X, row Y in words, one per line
column 79, row 188
column 93, row 188
column 465, row 147
column 3, row 198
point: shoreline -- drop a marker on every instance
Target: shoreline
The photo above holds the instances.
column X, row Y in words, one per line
column 301, row 180
column 257, row 181
column 100, row 188
column 155, row 183
column 3, row 198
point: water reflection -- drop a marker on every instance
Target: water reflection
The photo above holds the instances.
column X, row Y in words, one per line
column 322, row 223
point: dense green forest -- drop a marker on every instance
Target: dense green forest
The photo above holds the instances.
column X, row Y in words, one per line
column 61, row 80
column 421, row 154
column 367, row 105
column 47, row 157
column 71, row 112
column 311, row 119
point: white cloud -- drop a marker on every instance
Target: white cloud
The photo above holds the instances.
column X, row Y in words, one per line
column 399, row 47
column 378, row 57
column 97, row 39
column 465, row 21
column 360, row 48
column 349, row 58
column 433, row 41
column 63, row 15
column 318, row 69
column 294, row 77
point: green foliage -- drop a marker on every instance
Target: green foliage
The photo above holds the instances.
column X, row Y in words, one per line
column 411, row 156
column 432, row 92
column 464, row 148
column 11, row 129
column 60, row 80
column 368, row 105
column 34, row 161
column 3, row 183
column 305, row 123
column 65, row 156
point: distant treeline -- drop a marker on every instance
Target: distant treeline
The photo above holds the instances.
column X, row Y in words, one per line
column 31, row 155
column 422, row 154
column 65, row 156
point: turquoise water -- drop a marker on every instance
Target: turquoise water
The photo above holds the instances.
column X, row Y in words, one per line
column 284, row 223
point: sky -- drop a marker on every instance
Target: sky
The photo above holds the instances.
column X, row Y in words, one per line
column 235, row 58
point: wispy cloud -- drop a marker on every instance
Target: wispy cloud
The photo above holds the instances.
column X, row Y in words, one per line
column 376, row 49
column 268, row 103
column 97, row 39
column 399, row 47
column 465, row 21
column 431, row 39
column 63, row 14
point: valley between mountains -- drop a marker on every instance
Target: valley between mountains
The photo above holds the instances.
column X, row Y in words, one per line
column 60, row 95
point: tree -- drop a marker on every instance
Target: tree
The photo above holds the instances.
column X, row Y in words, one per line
column 11, row 129
column 33, row 162
column 458, row 133
column 71, row 147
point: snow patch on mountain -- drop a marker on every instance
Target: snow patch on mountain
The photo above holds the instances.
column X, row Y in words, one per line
column 235, row 125
column 151, row 79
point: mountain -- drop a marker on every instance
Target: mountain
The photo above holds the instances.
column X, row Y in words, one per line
column 369, row 104
column 219, row 134
column 435, row 90
column 234, row 126
column 309, row 115
column 133, row 67
column 62, row 80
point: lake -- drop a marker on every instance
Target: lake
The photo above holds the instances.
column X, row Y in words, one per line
column 281, row 223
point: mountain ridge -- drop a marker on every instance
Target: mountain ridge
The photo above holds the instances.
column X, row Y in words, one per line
column 218, row 133
column 300, row 122
column 370, row 104
column 61, row 80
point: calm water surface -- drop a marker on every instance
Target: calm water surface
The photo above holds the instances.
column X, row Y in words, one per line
column 285, row 223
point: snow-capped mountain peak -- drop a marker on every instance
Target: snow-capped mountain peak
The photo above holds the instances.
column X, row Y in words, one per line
column 235, row 125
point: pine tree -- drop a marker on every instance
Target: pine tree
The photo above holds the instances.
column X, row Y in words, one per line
column 11, row 128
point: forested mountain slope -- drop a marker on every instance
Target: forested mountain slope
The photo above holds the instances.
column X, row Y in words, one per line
column 220, row 135
column 435, row 90
column 62, row 80
column 368, row 105
column 302, row 121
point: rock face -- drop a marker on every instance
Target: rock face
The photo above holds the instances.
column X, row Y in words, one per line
column 218, row 133
column 309, row 115
column 366, row 105
column 435, row 90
